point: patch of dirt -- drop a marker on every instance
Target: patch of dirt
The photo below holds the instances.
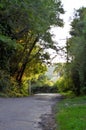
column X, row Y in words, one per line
column 48, row 122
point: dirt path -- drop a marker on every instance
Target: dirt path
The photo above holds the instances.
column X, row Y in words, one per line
column 28, row 113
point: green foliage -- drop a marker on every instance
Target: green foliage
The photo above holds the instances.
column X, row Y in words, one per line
column 60, row 69
column 24, row 35
column 78, row 42
column 9, row 87
column 71, row 114
column 43, row 85
column 64, row 84
column 3, row 94
column 7, row 49
column 35, row 69
column 25, row 87
column 13, row 90
column 4, row 80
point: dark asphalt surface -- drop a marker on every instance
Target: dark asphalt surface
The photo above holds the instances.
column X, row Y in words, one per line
column 25, row 113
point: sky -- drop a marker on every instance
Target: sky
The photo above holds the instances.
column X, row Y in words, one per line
column 61, row 34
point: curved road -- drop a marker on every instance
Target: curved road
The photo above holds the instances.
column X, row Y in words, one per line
column 25, row 113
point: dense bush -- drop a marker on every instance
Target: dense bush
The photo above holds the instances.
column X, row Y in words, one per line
column 9, row 87
column 64, row 84
column 4, row 80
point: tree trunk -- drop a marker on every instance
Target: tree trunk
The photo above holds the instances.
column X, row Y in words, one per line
column 24, row 64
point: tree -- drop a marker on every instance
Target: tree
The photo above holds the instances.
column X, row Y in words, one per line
column 27, row 24
column 77, row 50
column 64, row 81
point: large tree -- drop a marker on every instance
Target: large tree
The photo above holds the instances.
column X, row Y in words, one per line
column 77, row 50
column 27, row 25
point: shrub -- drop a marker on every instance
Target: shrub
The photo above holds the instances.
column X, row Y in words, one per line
column 64, row 84
column 9, row 87
column 4, row 80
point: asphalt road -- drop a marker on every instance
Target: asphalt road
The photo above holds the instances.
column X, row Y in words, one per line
column 25, row 113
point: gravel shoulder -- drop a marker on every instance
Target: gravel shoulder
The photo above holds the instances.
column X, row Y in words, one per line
column 29, row 113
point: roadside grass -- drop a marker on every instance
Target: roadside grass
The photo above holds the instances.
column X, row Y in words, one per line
column 3, row 95
column 71, row 114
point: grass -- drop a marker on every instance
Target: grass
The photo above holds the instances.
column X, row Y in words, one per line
column 3, row 95
column 71, row 114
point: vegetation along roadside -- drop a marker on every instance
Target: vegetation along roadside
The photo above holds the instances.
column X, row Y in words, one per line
column 71, row 114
